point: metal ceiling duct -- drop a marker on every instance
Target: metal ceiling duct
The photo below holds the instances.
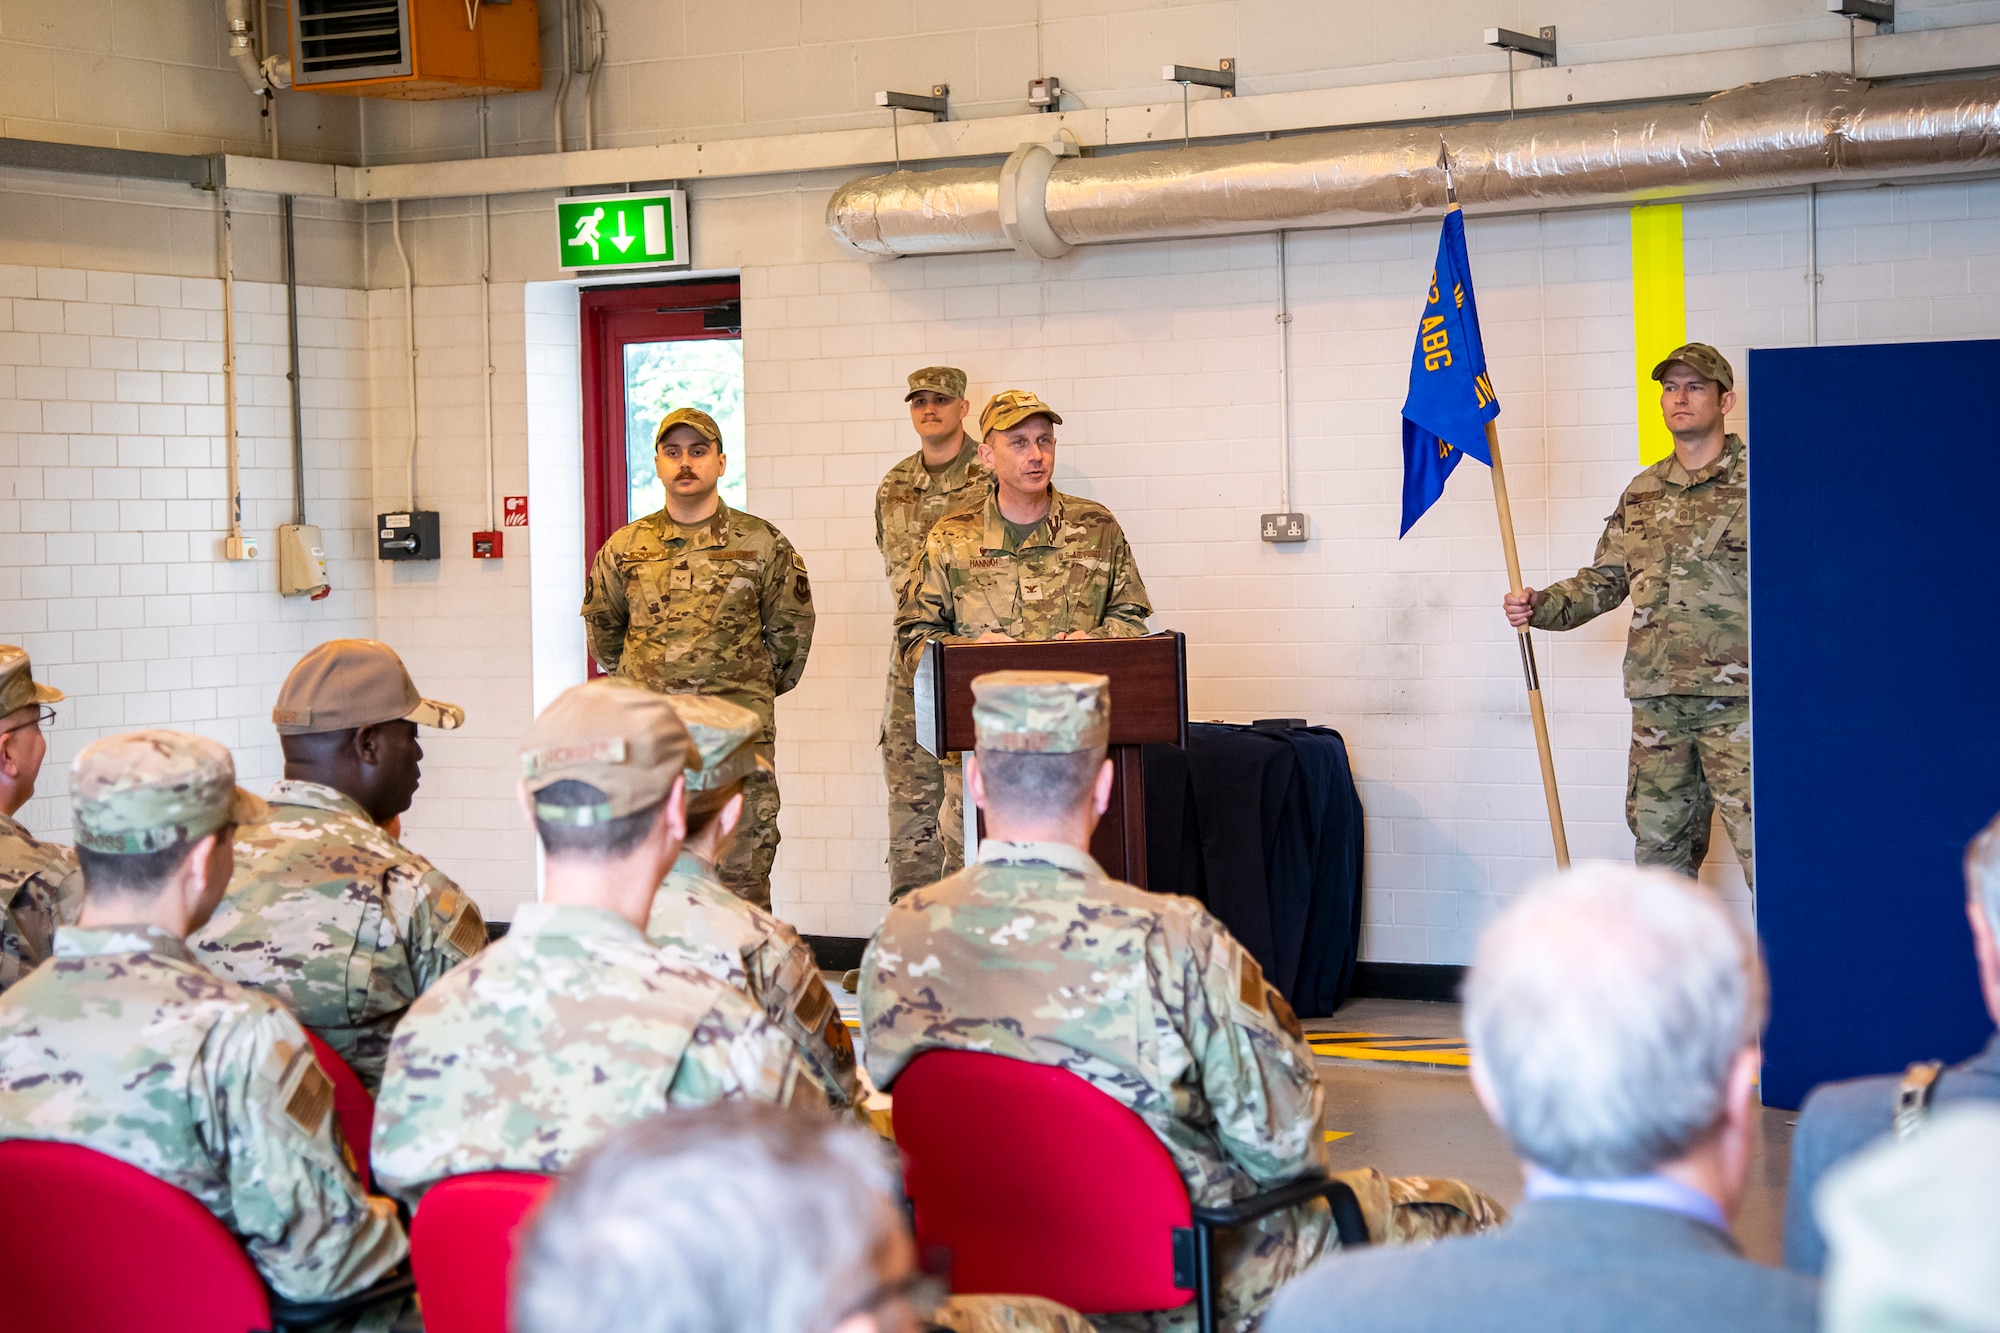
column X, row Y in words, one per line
column 1794, row 131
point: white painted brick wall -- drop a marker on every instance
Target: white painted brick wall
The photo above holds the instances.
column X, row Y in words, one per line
column 112, row 503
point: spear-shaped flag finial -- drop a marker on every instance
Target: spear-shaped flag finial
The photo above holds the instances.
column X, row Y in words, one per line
column 1444, row 165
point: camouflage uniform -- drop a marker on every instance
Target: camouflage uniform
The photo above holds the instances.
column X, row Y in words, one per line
column 39, row 888
column 1073, row 571
column 908, row 504
column 729, row 613
column 337, row 919
column 1033, row 952
column 697, row 922
column 1678, row 544
column 561, row 1032
column 123, row 1044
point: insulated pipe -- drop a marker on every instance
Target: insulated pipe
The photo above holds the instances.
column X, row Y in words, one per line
column 1786, row 132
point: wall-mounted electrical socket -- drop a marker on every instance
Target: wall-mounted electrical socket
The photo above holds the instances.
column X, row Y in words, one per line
column 239, row 548
column 1045, row 94
column 1284, row 528
column 301, row 562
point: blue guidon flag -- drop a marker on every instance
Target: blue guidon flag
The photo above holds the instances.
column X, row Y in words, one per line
column 1451, row 399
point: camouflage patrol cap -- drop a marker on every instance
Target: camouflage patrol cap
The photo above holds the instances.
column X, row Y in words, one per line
column 611, row 734
column 1047, row 712
column 947, row 380
column 18, row 686
column 1703, row 360
column 348, row 683
column 147, row 791
column 1009, row 408
column 692, row 417
column 725, row 735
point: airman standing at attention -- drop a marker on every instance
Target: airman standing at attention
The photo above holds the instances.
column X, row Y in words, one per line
column 1033, row 563
column 326, row 911
column 124, row 1044
column 1035, row 954
column 574, row 1023
column 1679, row 545
column 697, row 921
column 701, row 599
column 943, row 477
column 38, row 880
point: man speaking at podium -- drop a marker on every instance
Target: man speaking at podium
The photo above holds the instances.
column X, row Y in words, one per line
column 1032, row 564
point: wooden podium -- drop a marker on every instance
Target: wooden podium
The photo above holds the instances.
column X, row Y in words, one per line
column 1148, row 707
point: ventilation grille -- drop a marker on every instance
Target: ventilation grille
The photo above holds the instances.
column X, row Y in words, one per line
column 336, row 41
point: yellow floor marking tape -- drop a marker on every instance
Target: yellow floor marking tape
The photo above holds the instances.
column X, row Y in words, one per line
column 1333, row 1134
column 1402, row 1050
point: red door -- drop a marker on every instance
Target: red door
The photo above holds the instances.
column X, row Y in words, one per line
column 636, row 366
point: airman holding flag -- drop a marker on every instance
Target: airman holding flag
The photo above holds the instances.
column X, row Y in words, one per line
column 1678, row 544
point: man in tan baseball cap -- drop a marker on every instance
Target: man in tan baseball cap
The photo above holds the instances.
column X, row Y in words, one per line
column 38, row 880
column 327, row 910
column 1032, row 564
column 574, row 1024
column 943, row 477
column 1678, row 545
column 705, row 598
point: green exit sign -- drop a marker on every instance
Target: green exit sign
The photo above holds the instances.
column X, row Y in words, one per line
column 623, row 230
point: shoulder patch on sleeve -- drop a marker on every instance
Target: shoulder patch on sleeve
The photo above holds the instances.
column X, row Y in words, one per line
column 1281, row 1011
column 813, row 1005
column 1249, row 980
column 468, row 934
column 308, row 1095
column 838, row 1038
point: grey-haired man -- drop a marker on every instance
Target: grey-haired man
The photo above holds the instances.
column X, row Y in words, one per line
column 1613, row 1014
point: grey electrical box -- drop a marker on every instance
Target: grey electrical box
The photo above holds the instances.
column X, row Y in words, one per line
column 301, row 562
column 408, row 534
column 1283, row 527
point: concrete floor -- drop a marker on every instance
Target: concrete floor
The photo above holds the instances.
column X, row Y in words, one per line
column 1425, row 1121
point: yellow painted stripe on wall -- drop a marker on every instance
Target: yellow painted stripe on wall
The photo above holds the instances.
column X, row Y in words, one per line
column 1659, row 314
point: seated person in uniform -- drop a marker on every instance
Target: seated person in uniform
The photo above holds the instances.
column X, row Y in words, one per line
column 39, row 885
column 574, row 1024
column 122, row 1042
column 1032, row 952
column 698, row 921
column 327, row 911
column 1839, row 1119
column 1613, row 1015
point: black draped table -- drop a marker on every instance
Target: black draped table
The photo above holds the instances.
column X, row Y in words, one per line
column 1263, row 825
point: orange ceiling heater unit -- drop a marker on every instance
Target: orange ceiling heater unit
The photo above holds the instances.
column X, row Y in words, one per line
column 415, row 49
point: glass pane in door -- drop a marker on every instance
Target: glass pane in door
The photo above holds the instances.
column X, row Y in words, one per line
column 706, row 373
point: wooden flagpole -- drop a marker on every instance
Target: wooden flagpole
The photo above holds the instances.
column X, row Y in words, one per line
column 1534, row 680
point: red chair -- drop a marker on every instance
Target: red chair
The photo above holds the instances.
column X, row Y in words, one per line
column 90, row 1242
column 1036, row 1183
column 462, row 1245
column 353, row 1108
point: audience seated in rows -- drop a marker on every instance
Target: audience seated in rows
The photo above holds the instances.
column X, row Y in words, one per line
column 1032, row 952
column 1613, row 1016
column 1839, row 1119
column 575, row 1024
column 125, row 1044
column 327, row 912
